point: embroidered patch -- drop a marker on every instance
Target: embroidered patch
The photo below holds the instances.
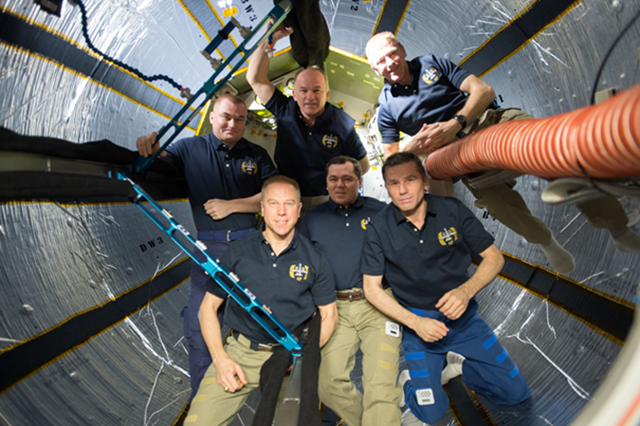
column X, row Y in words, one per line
column 425, row 397
column 330, row 141
column 299, row 271
column 249, row 167
column 431, row 75
column 448, row 236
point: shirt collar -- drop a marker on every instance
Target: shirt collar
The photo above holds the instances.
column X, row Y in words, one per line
column 431, row 210
column 294, row 241
column 221, row 146
column 414, row 70
column 399, row 218
column 359, row 202
column 326, row 116
column 292, row 245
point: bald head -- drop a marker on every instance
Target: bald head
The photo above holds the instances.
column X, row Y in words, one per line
column 387, row 58
column 234, row 99
column 311, row 92
column 381, row 39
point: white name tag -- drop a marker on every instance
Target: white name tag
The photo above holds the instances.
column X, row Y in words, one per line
column 392, row 329
column 425, row 397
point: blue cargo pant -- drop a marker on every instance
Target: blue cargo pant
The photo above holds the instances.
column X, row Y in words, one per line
column 488, row 369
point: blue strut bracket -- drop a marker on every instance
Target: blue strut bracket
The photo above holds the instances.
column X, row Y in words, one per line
column 225, row 279
column 211, row 86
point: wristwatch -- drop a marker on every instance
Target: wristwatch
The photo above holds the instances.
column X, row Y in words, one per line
column 462, row 120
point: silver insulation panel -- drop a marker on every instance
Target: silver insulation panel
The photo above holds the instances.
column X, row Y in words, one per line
column 59, row 261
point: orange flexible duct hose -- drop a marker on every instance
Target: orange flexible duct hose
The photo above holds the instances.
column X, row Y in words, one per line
column 603, row 139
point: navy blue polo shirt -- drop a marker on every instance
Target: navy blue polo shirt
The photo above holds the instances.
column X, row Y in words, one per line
column 339, row 232
column 291, row 284
column 215, row 171
column 302, row 152
column 421, row 265
column 433, row 96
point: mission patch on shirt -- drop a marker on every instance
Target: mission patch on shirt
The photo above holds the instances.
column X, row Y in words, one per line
column 291, row 284
column 421, row 265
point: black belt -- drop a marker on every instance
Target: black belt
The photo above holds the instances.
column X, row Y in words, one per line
column 256, row 346
column 224, row 235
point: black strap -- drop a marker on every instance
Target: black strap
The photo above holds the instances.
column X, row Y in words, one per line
column 274, row 369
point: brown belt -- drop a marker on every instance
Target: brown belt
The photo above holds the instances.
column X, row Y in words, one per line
column 352, row 295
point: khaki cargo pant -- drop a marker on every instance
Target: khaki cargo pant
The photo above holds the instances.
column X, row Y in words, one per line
column 212, row 405
column 506, row 204
column 362, row 326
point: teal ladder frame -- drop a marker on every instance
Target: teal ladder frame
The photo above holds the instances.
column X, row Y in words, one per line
column 225, row 279
column 211, row 87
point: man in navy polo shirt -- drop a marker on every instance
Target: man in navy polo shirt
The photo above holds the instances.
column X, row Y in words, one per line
column 285, row 272
column 338, row 227
column 423, row 244
column 310, row 130
column 437, row 102
column 224, row 174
